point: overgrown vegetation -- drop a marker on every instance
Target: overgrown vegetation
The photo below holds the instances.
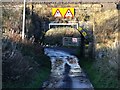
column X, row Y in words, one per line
column 25, row 67
column 12, row 22
column 103, row 72
column 24, row 63
column 100, row 73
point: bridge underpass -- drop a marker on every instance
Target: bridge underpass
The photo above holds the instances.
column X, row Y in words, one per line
column 83, row 38
column 66, row 71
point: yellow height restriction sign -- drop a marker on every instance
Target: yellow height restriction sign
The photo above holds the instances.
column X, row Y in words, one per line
column 63, row 12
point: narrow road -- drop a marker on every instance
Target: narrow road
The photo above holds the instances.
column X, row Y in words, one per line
column 65, row 71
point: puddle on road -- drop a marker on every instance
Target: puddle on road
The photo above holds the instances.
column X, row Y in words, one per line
column 59, row 59
column 75, row 78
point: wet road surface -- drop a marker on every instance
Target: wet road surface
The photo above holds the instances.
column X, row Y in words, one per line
column 66, row 72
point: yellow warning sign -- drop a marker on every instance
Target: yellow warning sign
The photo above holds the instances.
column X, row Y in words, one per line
column 57, row 12
column 68, row 12
column 63, row 12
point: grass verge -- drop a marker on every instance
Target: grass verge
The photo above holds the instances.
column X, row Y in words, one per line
column 99, row 73
column 39, row 78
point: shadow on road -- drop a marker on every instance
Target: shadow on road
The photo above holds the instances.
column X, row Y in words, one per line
column 67, row 80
